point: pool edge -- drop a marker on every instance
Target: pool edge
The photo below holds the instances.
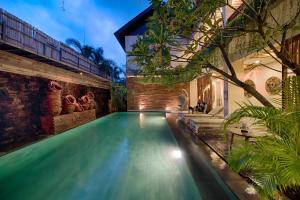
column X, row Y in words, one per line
column 232, row 180
column 48, row 136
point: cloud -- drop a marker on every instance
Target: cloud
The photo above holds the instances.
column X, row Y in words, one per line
column 99, row 27
column 74, row 4
column 49, row 25
column 100, row 31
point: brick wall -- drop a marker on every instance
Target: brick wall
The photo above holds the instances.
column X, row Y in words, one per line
column 153, row 96
column 20, row 105
column 101, row 95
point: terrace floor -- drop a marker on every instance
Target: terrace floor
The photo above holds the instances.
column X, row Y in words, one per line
column 213, row 147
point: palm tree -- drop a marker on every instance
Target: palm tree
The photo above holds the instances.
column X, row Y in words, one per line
column 119, row 97
column 109, row 67
column 119, row 74
column 116, row 71
column 97, row 56
column 85, row 50
column 273, row 162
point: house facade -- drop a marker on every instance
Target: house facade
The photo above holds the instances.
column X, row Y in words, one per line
column 150, row 97
column 249, row 66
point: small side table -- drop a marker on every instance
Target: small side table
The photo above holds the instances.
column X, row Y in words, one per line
column 246, row 134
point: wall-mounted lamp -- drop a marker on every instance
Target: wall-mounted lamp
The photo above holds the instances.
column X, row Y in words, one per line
column 257, row 62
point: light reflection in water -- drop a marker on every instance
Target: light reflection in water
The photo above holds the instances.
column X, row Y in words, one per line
column 142, row 120
column 176, row 154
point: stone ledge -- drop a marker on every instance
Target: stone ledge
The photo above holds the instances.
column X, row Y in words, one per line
column 60, row 123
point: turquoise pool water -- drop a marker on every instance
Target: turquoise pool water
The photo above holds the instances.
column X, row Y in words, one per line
column 120, row 156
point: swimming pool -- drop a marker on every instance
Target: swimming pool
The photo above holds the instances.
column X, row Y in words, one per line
column 120, row 156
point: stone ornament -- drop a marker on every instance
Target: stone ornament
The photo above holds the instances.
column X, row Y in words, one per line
column 69, row 102
column 252, row 84
column 85, row 102
column 273, row 85
column 91, row 96
column 52, row 102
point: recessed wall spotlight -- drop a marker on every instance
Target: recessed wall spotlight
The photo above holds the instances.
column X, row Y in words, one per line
column 257, row 62
column 80, row 73
column 141, row 107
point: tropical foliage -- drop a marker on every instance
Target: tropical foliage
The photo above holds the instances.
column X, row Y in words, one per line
column 119, row 97
column 85, row 50
column 96, row 55
column 186, row 39
column 274, row 161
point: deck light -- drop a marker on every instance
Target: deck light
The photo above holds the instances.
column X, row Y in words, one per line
column 250, row 190
column 80, row 73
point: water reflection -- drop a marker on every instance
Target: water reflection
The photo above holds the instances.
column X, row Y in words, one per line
column 102, row 160
column 176, row 154
column 142, row 120
column 106, row 173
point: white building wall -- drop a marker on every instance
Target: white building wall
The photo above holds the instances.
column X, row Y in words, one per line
column 259, row 76
column 193, row 93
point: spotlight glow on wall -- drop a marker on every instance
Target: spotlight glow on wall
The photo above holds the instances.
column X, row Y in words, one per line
column 167, row 108
column 141, row 107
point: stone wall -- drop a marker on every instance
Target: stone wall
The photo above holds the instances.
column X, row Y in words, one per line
column 101, row 95
column 20, row 105
column 153, row 96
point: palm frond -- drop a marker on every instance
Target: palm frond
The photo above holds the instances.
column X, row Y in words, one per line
column 97, row 56
column 291, row 93
column 87, row 51
column 74, row 43
column 273, row 161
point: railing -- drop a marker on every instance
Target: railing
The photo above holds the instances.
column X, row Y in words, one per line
column 21, row 35
column 293, row 47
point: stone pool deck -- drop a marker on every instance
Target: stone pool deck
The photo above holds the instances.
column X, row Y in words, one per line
column 198, row 151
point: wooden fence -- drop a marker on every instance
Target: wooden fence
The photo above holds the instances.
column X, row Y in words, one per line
column 293, row 47
column 21, row 35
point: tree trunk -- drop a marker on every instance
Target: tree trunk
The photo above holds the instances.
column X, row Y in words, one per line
column 254, row 93
column 243, row 85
